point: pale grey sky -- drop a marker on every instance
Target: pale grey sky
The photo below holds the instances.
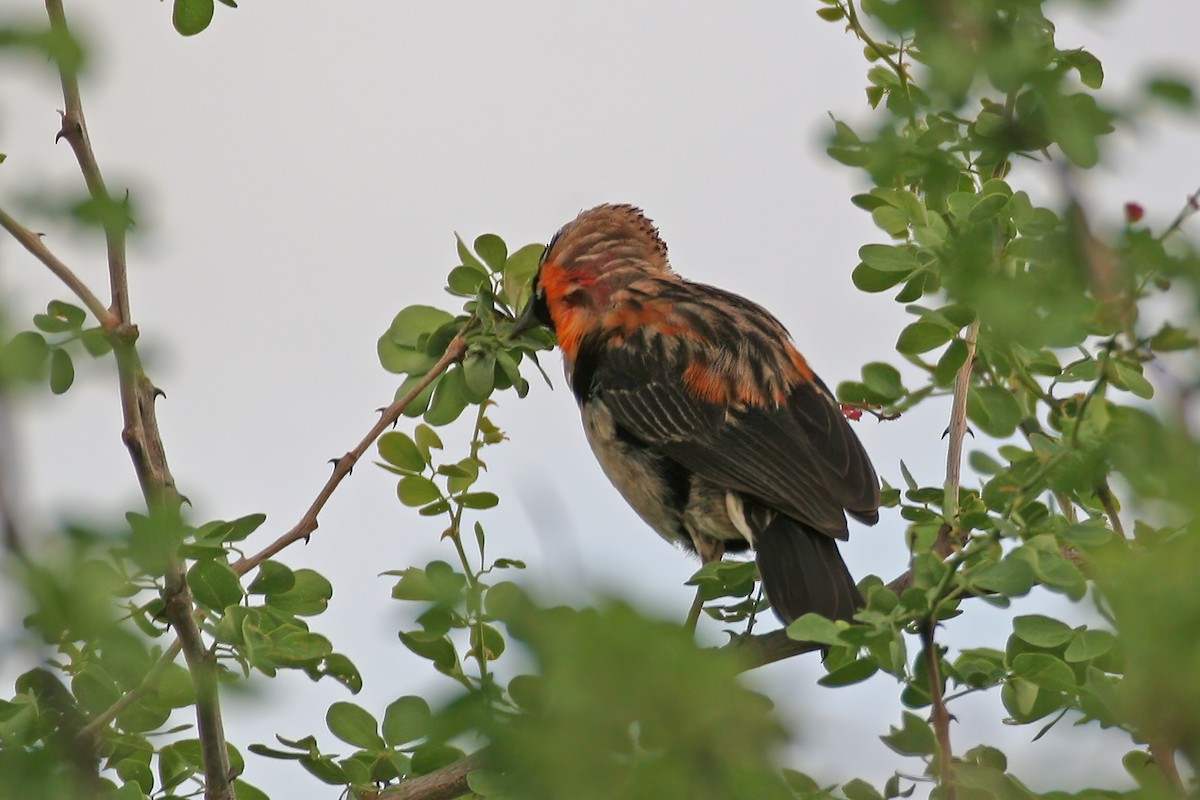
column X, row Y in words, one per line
column 299, row 175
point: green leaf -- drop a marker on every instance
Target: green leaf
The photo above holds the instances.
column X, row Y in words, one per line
column 486, row 783
column 831, row 13
column 886, row 258
column 308, row 597
column 854, row 672
column 869, row 279
column 402, row 346
column 62, row 371
column 241, row 789
column 429, row 757
column 478, row 500
column 1091, row 72
column 272, row 578
column 922, row 336
column 883, row 380
column 406, row 720
column 192, row 16
column 413, row 585
column 492, row 250
column 949, row 364
column 815, row 628
column 858, row 789
column 214, row 584
column 465, row 281
column 23, row 357
column 417, row 490
column 1045, row 671
column 995, row 410
column 1042, row 631
column 1011, row 577
column 354, row 725
column 914, row 738
column 397, row 449
column 479, row 375
column 1170, row 338
column 95, row 342
column 518, row 274
column 1088, row 645
column 449, row 399
column 1173, row 90
column 439, row 650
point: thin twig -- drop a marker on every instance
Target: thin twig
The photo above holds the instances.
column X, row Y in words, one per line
column 343, row 466
column 148, row 685
column 33, row 243
column 958, row 426
column 939, row 716
column 1190, row 207
column 1110, row 508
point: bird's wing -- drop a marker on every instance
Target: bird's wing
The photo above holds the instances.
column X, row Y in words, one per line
column 795, row 453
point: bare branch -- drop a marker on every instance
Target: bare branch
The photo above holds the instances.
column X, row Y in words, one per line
column 344, row 465
column 939, row 716
column 74, row 130
column 33, row 243
column 958, row 425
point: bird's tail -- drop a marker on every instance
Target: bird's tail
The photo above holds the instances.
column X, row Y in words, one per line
column 803, row 571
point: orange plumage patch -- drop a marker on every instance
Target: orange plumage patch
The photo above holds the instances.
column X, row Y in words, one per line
column 800, row 363
column 707, row 384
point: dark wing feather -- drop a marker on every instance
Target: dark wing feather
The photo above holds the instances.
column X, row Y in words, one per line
column 801, row 457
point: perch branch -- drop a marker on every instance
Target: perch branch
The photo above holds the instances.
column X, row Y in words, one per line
column 442, row 784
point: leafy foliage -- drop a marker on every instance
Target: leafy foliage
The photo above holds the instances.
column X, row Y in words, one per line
column 1043, row 325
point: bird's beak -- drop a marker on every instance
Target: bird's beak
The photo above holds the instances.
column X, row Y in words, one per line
column 529, row 318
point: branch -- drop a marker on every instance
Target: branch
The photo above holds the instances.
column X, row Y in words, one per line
column 442, row 784
column 939, row 716
column 1190, row 207
column 148, row 684
column 307, row 524
column 202, row 666
column 33, row 243
column 958, row 425
column 142, row 437
column 74, row 130
column 344, row 465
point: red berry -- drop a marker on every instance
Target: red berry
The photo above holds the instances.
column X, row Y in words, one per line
column 1134, row 212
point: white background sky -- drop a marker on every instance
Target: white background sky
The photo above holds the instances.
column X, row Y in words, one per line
column 299, row 173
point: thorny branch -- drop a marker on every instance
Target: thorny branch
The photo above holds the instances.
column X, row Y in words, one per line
column 307, row 524
column 141, row 433
column 343, row 466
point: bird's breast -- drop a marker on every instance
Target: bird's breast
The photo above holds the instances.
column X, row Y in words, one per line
column 654, row 486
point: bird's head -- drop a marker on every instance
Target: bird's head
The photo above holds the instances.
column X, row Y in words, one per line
column 602, row 250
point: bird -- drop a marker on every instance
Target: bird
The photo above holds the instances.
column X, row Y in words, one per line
column 702, row 412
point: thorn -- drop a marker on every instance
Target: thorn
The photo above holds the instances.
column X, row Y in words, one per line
column 183, row 498
column 946, row 432
column 157, row 393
